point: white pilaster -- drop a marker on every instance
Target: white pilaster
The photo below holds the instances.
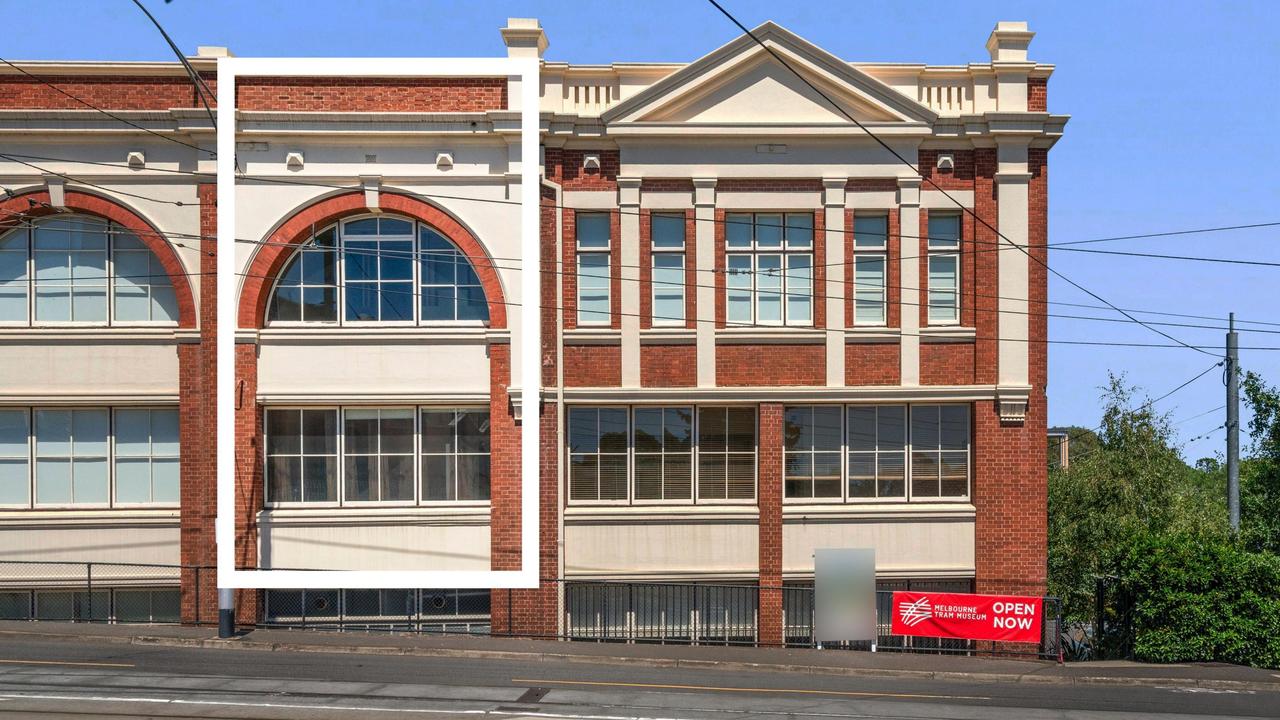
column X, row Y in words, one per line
column 704, row 214
column 909, row 278
column 629, row 237
column 833, row 208
column 1012, row 179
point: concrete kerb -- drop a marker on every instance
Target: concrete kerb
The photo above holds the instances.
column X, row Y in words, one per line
column 726, row 665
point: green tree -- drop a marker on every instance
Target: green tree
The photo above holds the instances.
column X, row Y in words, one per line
column 1260, row 473
column 1133, row 483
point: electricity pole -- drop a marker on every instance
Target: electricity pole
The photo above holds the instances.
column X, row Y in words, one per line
column 1233, row 424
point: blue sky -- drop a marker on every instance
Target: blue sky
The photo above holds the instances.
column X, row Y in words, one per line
column 1173, row 106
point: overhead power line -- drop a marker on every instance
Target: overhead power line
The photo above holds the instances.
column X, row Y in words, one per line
column 202, row 90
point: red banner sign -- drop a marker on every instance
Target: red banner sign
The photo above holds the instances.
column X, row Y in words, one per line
column 1009, row 618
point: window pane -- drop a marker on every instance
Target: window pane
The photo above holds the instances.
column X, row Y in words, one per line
column 438, row 477
column 583, row 430
column 711, row 429
column 954, row 427
column 797, row 428
column 943, row 283
column 768, row 230
column 439, row 431
column 826, row 428
column 711, row 476
column 613, row 477
column 892, row 472
column 320, row 432
column 826, row 474
column 769, row 288
column 678, row 429
column 924, row 427
column 362, row 302
column 14, row 482
column 647, row 432
column 798, row 473
column 862, row 427
column 133, row 480
column 799, row 230
column 164, row 432
column 166, row 480
column 320, row 478
column 869, row 289
column 741, row 471
column 396, row 431
column 891, row 427
column 360, row 473
column 613, row 430
column 741, row 423
column 593, row 230
column 862, row 475
column 320, row 304
column 954, row 468
column 89, row 481
column 583, row 477
column 593, row 287
column 944, row 230
column 668, row 230
column 13, row 433
column 473, row 431
column 361, row 430
column 284, row 429
column 799, row 288
column 677, row 477
column 133, row 432
column 648, row 477
column 738, row 281
column 924, row 474
column 737, row 230
column 89, row 431
column 870, row 231
column 284, row 479
column 395, row 478
column 53, row 481
column 668, row 288
column 396, row 304
column 473, row 477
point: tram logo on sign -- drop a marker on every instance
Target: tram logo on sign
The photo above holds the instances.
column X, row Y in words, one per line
column 914, row 613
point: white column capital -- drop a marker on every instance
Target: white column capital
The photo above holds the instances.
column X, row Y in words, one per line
column 704, row 192
column 909, row 191
column 833, row 190
column 628, row 191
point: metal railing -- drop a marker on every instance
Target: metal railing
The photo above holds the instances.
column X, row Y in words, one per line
column 600, row 611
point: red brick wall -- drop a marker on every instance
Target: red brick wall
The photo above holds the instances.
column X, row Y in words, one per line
column 769, row 494
column 249, row 473
column 668, row 365
column 872, row 364
column 986, row 258
column 197, row 408
column 1038, row 94
column 946, row 363
column 1010, row 467
column 565, row 167
column 959, row 177
column 592, row 365
column 764, row 365
column 504, row 459
column 353, row 94
column 720, row 270
column 112, row 93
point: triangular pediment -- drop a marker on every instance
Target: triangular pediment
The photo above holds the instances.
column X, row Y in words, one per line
column 744, row 83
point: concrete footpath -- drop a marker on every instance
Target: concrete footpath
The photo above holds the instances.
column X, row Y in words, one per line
column 825, row 662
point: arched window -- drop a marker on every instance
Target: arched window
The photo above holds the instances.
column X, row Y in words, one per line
column 378, row 270
column 81, row 270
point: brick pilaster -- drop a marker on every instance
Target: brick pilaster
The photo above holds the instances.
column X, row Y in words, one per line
column 769, row 494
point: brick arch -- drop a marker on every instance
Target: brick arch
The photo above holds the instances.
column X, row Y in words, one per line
column 277, row 250
column 34, row 204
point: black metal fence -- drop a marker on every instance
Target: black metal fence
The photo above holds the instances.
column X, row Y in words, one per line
column 600, row 611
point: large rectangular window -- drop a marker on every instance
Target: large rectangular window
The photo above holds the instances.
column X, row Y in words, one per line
column 394, row 456
column 378, row 270
column 593, row 241
column 870, row 251
column 944, row 269
column 769, row 268
column 668, row 238
column 92, row 457
column 647, row 454
column 874, row 445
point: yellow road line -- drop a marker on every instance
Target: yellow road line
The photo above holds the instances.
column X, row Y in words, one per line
column 61, row 662
column 659, row 686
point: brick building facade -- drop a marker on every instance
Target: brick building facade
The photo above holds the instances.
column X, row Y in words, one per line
column 762, row 334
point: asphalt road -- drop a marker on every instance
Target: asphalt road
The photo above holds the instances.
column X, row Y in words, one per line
column 84, row 678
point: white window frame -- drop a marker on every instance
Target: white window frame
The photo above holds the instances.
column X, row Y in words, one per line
column 668, row 252
column 418, row 500
column 628, row 453
column 785, row 252
column 590, row 318
column 662, row 455
column 340, row 269
column 908, row 495
column 872, row 252
column 29, row 415
column 943, row 250
column 151, row 457
column 111, row 229
column 695, row 454
column 420, row 454
column 414, row 456
column 841, row 451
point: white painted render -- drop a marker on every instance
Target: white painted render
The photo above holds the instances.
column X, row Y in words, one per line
column 382, row 539
column 65, row 367
column 923, row 547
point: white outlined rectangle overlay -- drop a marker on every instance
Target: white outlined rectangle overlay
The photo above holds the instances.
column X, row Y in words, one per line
column 228, row 287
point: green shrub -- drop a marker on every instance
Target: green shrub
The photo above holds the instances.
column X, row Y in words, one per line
column 1202, row 597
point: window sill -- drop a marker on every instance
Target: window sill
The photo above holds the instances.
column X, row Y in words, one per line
column 159, row 334
column 452, row 334
column 873, row 334
column 782, row 335
column 747, row 512
column 668, row 335
column 368, row 516
column 872, row 510
column 51, row 518
column 948, row 333
column 592, row 336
